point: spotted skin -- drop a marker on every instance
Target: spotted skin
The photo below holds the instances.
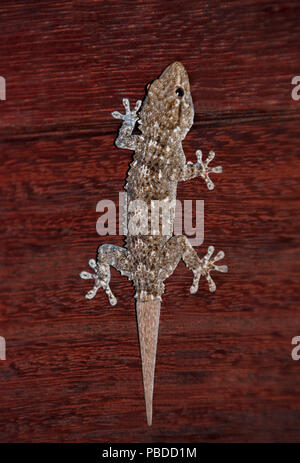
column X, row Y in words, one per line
column 159, row 163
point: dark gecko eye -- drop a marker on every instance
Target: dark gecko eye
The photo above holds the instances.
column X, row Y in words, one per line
column 180, row 92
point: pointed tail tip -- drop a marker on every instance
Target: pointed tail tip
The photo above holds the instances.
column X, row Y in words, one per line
column 148, row 322
column 149, row 413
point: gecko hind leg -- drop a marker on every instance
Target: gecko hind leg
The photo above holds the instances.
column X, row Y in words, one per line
column 178, row 247
column 108, row 256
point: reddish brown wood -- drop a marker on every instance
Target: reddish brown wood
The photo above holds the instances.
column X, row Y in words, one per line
column 224, row 370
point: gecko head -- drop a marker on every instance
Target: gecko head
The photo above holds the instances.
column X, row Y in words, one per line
column 168, row 102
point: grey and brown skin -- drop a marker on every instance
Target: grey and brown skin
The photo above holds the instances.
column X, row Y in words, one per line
column 159, row 163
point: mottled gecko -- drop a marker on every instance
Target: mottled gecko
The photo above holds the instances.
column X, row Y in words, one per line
column 159, row 163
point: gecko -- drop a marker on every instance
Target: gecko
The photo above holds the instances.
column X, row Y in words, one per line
column 163, row 120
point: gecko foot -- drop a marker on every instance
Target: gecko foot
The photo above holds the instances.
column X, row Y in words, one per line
column 207, row 265
column 102, row 278
column 207, row 170
column 130, row 117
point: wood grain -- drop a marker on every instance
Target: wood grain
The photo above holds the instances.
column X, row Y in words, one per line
column 224, row 370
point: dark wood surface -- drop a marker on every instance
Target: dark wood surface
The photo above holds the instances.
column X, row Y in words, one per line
column 224, row 368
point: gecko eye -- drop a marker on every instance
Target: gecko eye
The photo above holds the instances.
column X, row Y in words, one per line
column 180, row 92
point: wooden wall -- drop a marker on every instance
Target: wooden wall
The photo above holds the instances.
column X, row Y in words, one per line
column 224, row 368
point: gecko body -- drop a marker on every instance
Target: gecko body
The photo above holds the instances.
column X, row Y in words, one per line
column 151, row 252
column 159, row 163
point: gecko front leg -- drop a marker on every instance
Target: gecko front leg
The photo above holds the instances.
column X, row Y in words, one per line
column 108, row 256
column 125, row 138
column 201, row 169
column 178, row 247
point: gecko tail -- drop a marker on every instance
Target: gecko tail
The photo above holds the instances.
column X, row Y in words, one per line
column 148, row 313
